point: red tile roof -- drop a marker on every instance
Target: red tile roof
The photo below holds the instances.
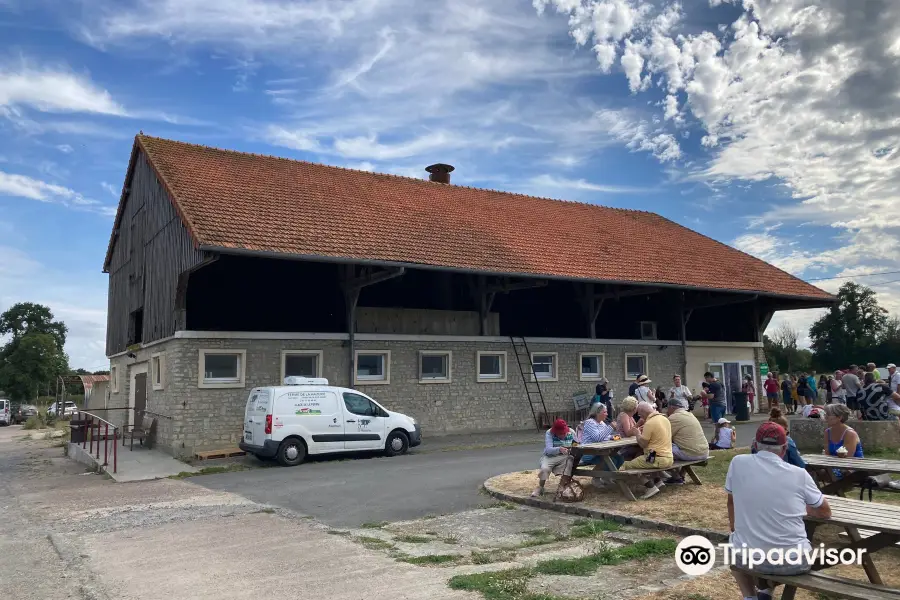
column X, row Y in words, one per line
column 246, row 201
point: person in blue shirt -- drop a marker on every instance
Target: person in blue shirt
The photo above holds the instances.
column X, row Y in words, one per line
column 792, row 455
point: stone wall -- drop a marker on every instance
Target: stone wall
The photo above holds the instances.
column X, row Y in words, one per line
column 211, row 418
column 809, row 434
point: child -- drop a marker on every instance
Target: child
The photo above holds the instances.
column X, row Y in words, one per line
column 705, row 401
column 724, row 438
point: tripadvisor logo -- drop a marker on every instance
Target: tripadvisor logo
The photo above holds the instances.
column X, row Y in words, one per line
column 696, row 555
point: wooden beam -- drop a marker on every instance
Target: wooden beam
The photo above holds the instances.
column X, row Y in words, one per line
column 505, row 286
column 615, row 295
column 721, row 302
column 370, row 278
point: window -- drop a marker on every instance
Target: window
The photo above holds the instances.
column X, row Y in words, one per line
column 648, row 330
column 222, row 368
column 544, row 365
column 593, row 366
column 114, row 379
column 301, row 363
column 373, row 367
column 635, row 365
column 360, row 405
column 157, row 370
column 136, row 327
column 491, row 367
column 434, row 366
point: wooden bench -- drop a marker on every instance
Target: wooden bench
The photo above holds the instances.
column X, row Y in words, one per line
column 621, row 476
column 863, row 533
column 818, row 582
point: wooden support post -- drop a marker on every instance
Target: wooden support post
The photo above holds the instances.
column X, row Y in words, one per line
column 683, row 319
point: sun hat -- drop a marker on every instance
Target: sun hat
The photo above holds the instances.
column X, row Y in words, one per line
column 560, row 427
column 643, row 380
column 891, row 366
column 723, row 421
column 771, row 434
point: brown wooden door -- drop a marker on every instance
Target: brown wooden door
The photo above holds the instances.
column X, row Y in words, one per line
column 140, row 396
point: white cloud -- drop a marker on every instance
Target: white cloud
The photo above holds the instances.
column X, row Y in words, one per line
column 550, row 181
column 54, row 91
column 65, row 148
column 22, row 186
column 110, row 189
column 77, row 299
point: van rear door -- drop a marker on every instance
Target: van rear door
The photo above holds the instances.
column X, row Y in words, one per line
column 258, row 406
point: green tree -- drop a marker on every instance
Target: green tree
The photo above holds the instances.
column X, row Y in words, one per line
column 851, row 329
column 781, row 349
column 27, row 317
column 34, row 353
column 28, row 362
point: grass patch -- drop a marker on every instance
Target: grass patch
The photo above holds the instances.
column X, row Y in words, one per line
column 503, row 504
column 211, row 471
column 451, row 539
column 374, row 525
column 267, row 510
column 511, row 584
column 588, row 528
column 586, row 565
column 539, row 537
column 373, row 543
column 412, row 539
column 493, row 556
column 338, row 532
column 431, row 559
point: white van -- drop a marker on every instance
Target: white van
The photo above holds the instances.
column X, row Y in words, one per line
column 308, row 416
column 5, row 411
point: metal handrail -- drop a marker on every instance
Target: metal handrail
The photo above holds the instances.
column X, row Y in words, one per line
column 98, row 422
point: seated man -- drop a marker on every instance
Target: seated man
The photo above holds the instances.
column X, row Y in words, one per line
column 556, row 458
column 654, row 435
column 767, row 500
column 688, row 439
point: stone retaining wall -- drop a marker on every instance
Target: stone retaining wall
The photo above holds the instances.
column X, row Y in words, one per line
column 809, row 434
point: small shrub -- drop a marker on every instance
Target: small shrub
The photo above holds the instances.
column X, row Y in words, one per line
column 35, row 422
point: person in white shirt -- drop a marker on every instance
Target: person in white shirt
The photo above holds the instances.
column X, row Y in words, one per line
column 893, row 377
column 679, row 391
column 838, row 394
column 642, row 392
column 767, row 501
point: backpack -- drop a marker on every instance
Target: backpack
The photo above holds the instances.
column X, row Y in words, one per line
column 569, row 490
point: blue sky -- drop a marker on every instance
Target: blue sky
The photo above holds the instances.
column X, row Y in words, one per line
column 768, row 126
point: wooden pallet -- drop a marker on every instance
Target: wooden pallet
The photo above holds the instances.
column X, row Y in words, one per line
column 226, row 453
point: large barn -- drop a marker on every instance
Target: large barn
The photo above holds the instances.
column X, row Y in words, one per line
column 230, row 270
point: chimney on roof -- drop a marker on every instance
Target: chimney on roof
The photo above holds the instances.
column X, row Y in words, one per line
column 440, row 173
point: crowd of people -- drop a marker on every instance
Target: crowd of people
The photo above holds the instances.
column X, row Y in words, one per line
column 862, row 390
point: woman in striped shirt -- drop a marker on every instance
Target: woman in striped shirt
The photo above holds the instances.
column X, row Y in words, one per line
column 596, row 429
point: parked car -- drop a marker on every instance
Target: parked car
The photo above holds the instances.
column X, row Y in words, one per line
column 5, row 415
column 21, row 413
column 308, row 416
column 69, row 408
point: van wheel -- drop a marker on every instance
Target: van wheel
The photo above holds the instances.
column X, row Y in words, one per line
column 397, row 443
column 291, row 452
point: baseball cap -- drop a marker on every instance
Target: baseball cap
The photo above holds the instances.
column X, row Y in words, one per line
column 892, row 366
column 771, row 434
column 723, row 421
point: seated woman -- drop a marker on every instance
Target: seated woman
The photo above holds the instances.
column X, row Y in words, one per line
column 555, row 458
column 840, row 440
column 878, row 402
column 724, row 438
column 627, row 427
column 596, row 429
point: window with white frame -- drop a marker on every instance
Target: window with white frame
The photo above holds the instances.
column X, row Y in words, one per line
column 635, row 365
column 372, row 367
column 434, row 366
column 648, row 330
column 114, row 379
column 157, row 370
column 301, row 363
column 544, row 365
column 593, row 365
column 491, row 366
column 222, row 368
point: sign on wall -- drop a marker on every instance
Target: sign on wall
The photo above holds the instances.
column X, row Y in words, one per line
column 763, row 369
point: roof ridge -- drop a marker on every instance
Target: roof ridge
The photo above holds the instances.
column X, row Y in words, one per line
column 403, row 177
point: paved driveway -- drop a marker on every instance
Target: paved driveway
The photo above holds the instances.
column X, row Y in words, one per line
column 349, row 492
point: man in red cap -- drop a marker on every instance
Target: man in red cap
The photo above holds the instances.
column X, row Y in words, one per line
column 767, row 501
column 555, row 459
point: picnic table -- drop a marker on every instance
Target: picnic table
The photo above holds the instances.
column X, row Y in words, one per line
column 607, row 468
column 882, row 522
column 856, row 470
